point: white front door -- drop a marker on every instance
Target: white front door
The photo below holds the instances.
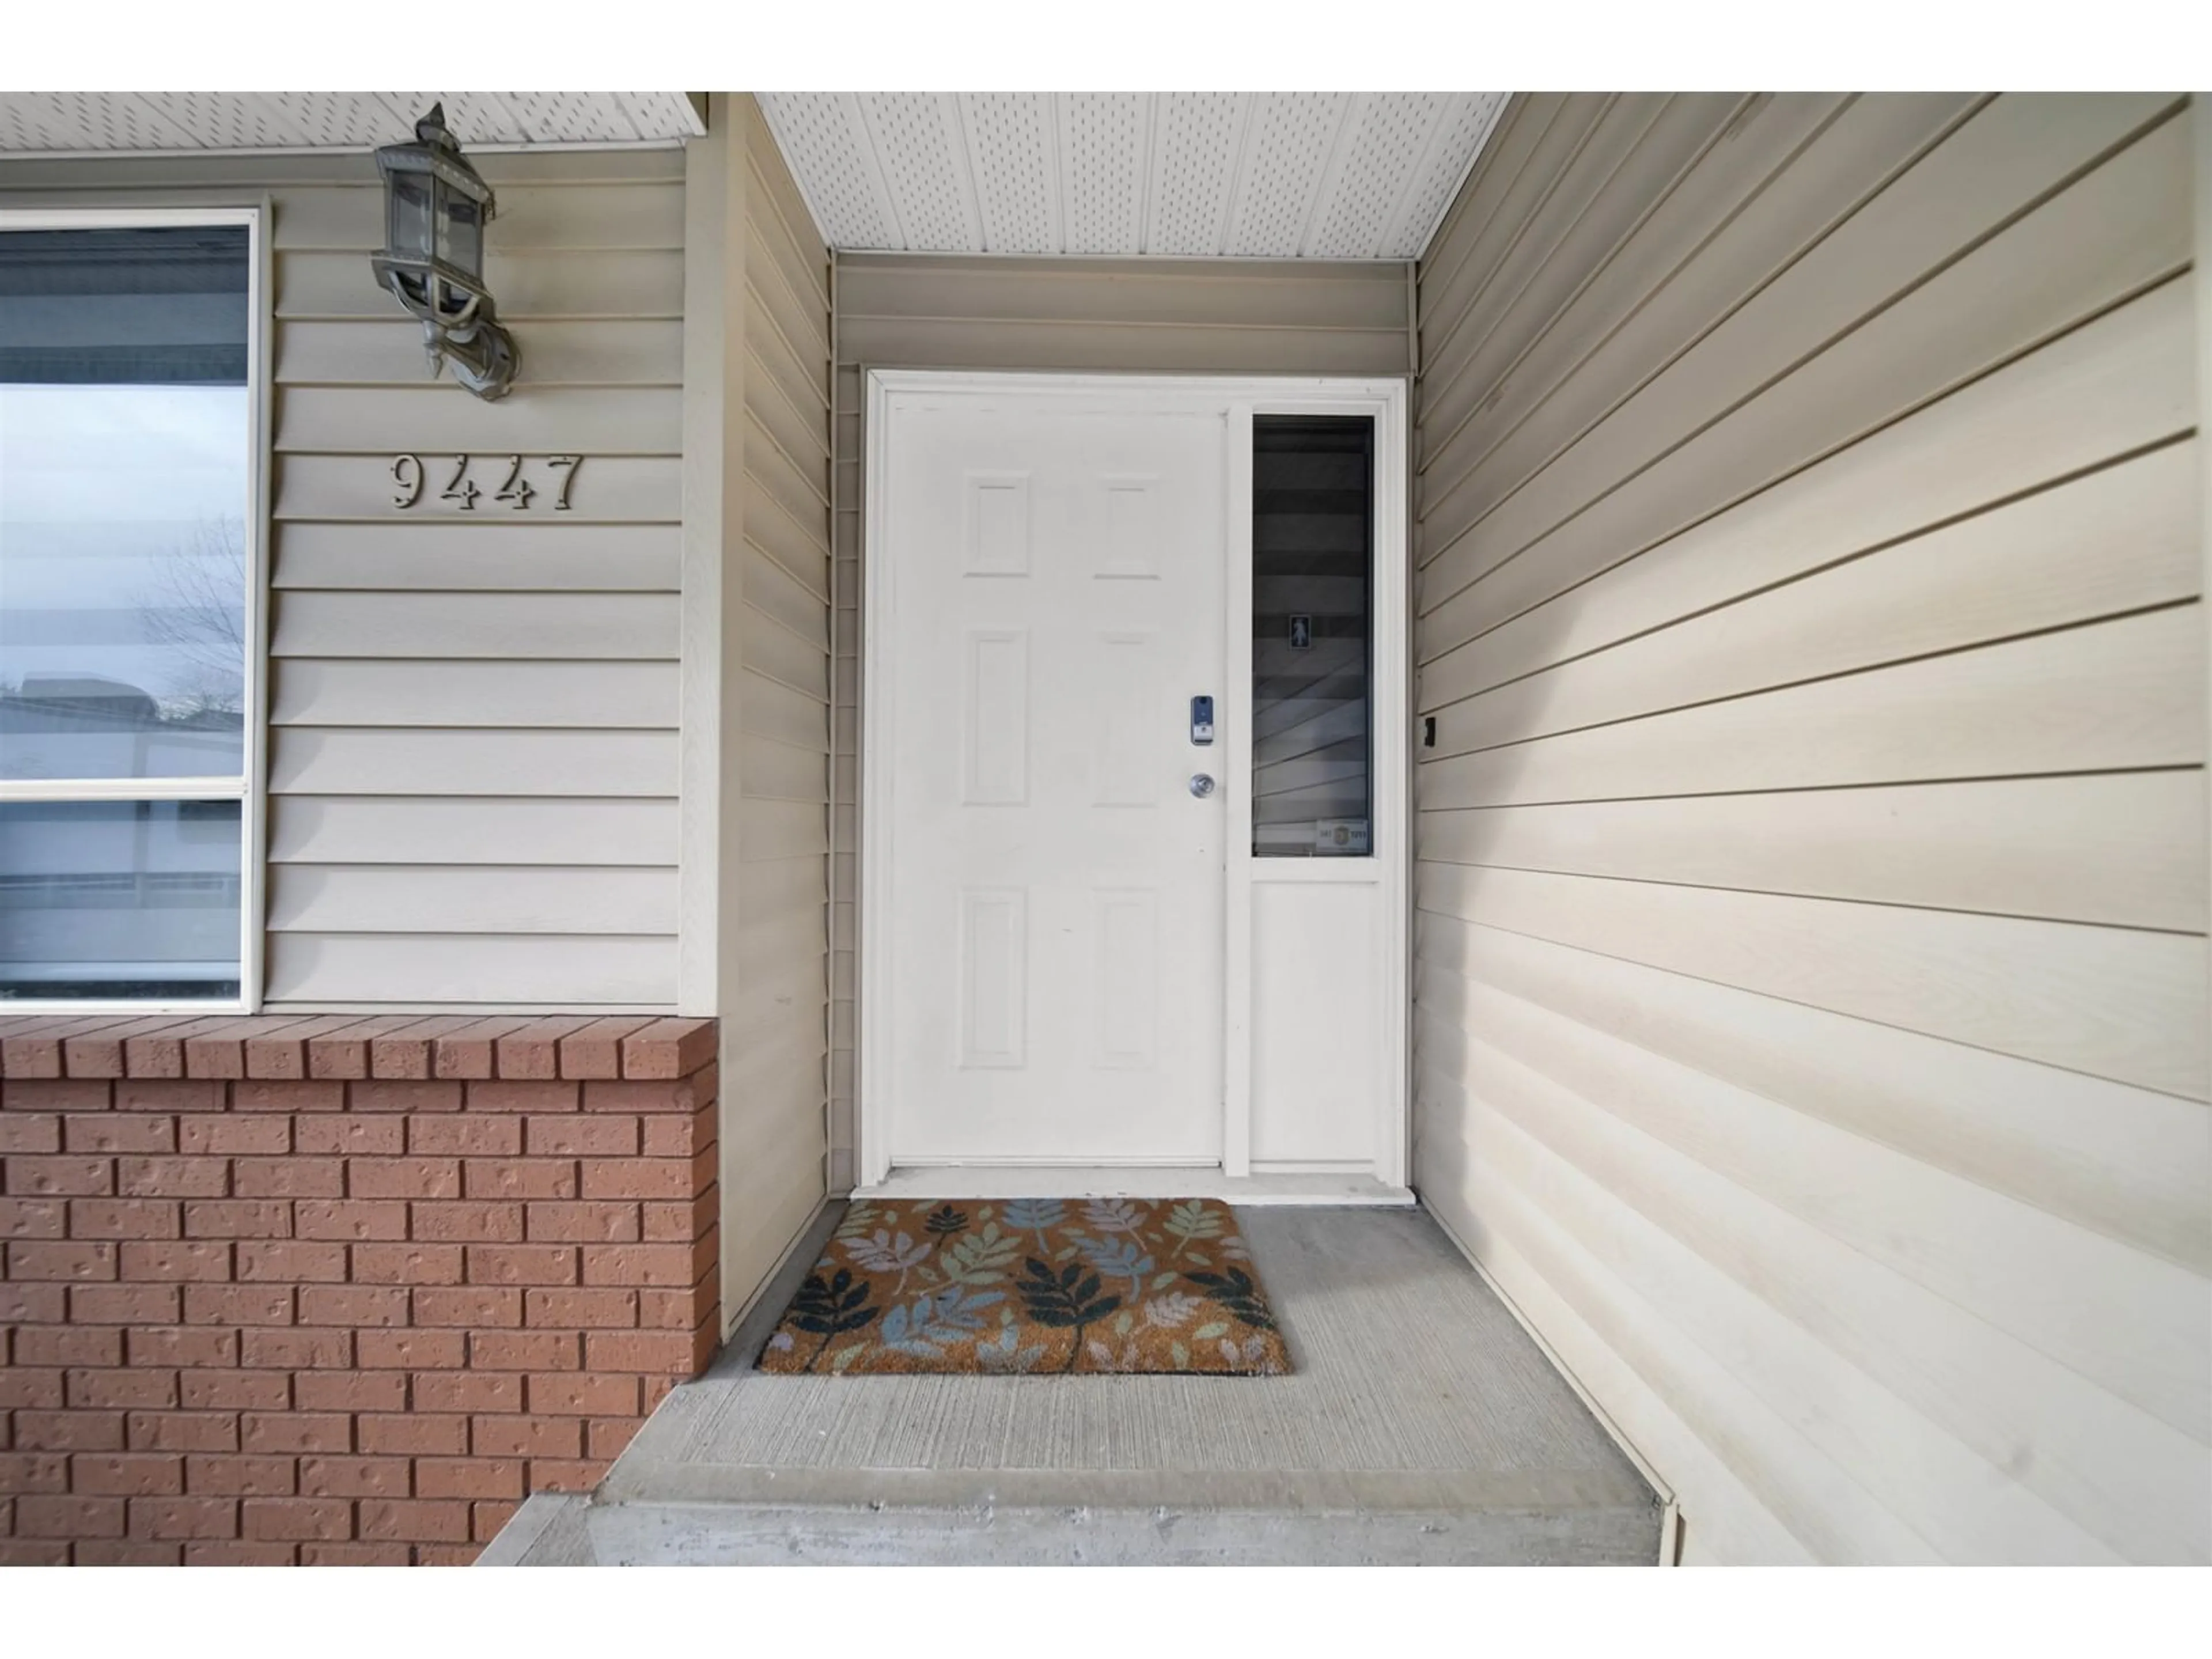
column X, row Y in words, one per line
column 1051, row 585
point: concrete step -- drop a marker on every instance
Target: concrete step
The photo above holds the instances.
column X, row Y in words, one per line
column 547, row 1531
column 730, row 1516
column 1420, row 1425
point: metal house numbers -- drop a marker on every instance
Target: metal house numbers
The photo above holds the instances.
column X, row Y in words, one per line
column 413, row 477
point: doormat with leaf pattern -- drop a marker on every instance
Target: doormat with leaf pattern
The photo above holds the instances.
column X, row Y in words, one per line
column 1032, row 1285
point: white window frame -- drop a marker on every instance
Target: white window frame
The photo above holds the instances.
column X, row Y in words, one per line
column 249, row 788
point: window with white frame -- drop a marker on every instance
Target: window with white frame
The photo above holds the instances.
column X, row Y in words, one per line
column 128, row 552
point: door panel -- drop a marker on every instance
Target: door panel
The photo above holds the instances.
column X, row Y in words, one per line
column 1054, row 586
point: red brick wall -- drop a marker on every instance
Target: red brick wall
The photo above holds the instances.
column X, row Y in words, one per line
column 339, row 1290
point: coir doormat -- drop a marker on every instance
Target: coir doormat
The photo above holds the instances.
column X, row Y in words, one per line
column 1032, row 1285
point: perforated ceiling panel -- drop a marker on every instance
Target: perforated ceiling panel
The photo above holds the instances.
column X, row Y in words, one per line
column 1197, row 137
column 1459, row 139
column 74, row 123
column 1016, row 164
column 68, row 120
column 1384, row 144
column 851, row 208
column 1287, row 156
column 1251, row 175
column 914, row 136
column 1102, row 168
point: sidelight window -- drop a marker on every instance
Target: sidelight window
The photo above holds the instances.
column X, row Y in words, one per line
column 1313, row 589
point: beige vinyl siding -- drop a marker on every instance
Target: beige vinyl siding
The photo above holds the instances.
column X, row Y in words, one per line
column 527, row 668
column 1810, row 980
column 775, row 1016
column 472, row 763
column 1135, row 316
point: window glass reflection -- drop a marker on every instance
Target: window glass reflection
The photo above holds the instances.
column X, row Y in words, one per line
column 119, row 899
column 124, row 433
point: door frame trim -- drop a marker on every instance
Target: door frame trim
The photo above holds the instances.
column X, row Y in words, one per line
column 1385, row 399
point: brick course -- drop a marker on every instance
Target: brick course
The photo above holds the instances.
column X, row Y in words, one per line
column 339, row 1290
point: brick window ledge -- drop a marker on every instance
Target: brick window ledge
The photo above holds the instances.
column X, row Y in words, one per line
column 339, row 1289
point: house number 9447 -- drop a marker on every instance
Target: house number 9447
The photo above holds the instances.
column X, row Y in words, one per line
column 413, row 477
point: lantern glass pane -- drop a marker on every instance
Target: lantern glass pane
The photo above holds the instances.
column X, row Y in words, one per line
column 454, row 303
column 461, row 234
column 407, row 214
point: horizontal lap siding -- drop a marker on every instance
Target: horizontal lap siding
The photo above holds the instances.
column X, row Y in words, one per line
column 776, row 1037
column 473, row 716
column 529, row 669
column 1121, row 316
column 1810, row 961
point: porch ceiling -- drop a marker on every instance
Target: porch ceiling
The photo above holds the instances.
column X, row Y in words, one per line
column 1320, row 176
column 112, row 123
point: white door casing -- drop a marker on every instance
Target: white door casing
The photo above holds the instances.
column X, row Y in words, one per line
column 1056, row 936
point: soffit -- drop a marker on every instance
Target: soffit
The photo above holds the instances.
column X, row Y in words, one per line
column 1313, row 175
column 112, row 123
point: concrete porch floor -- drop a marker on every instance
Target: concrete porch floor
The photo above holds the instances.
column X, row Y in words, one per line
column 1422, row 1426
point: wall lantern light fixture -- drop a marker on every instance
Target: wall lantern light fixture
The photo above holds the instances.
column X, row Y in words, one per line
column 435, row 207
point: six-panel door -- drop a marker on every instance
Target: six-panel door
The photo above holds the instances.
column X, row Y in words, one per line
column 1055, row 599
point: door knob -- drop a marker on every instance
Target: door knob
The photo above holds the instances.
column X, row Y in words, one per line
column 1200, row 785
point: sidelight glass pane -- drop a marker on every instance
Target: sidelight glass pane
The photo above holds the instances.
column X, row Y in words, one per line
column 125, row 430
column 1312, row 518
column 120, row 900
